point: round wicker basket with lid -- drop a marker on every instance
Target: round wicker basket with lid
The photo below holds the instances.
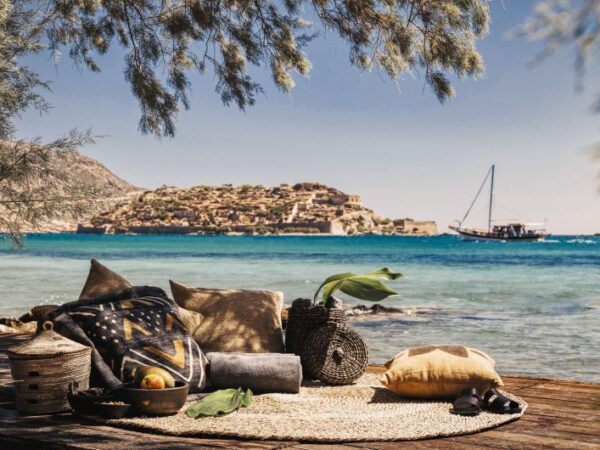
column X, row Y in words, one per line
column 336, row 354
column 42, row 369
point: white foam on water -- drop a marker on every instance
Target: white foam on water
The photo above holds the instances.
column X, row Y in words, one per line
column 581, row 241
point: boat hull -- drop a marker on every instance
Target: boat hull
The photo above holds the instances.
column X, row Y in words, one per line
column 472, row 235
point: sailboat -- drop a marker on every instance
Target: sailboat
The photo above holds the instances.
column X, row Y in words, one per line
column 511, row 231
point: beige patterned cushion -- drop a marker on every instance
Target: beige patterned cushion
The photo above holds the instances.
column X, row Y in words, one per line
column 234, row 320
column 440, row 371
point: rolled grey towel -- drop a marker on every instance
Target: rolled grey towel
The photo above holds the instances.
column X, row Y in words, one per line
column 260, row 372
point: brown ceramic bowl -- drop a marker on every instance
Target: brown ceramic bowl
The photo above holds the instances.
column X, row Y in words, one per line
column 112, row 410
column 155, row 402
column 85, row 405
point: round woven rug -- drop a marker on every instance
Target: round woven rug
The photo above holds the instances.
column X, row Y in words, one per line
column 365, row 411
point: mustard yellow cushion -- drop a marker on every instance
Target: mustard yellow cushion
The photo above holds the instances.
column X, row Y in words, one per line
column 440, row 372
column 234, row 320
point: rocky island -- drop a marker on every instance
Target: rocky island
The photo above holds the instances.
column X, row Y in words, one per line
column 304, row 208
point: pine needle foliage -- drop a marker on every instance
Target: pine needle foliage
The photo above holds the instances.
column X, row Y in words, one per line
column 19, row 86
column 33, row 186
column 567, row 23
column 164, row 41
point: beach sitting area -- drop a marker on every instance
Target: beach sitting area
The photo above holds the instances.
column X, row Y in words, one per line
column 227, row 368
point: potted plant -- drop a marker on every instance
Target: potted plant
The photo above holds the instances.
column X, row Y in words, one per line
column 306, row 316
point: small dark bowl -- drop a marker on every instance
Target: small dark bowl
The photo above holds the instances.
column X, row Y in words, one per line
column 112, row 410
column 155, row 402
column 85, row 405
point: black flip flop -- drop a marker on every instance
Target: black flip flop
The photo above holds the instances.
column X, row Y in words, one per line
column 498, row 403
column 468, row 403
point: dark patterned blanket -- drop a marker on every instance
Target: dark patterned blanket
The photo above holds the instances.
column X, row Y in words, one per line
column 129, row 328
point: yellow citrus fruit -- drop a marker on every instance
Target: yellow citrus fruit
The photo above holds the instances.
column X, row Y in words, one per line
column 152, row 381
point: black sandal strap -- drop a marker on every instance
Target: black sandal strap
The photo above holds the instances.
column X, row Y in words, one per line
column 499, row 403
column 468, row 403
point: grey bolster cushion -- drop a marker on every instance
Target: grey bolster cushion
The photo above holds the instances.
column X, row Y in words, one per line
column 260, row 372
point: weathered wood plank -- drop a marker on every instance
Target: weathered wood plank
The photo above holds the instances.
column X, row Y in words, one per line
column 582, row 419
column 542, row 392
column 552, row 428
column 64, row 431
column 323, row 447
column 447, row 443
column 558, row 423
column 591, row 409
column 520, row 440
column 573, row 387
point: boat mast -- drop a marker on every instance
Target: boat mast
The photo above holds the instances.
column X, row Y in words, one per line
column 491, row 198
column 487, row 175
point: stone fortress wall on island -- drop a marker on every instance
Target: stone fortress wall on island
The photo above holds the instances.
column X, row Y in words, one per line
column 303, row 208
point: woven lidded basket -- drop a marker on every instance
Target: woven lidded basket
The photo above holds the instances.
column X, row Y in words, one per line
column 303, row 320
column 336, row 354
column 43, row 368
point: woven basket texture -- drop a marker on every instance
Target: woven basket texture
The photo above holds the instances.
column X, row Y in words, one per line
column 43, row 368
column 336, row 354
column 40, row 314
column 302, row 321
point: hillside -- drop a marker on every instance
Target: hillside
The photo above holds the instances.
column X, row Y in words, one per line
column 107, row 183
column 300, row 208
column 109, row 187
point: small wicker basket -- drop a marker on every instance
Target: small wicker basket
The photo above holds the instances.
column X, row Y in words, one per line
column 42, row 369
column 304, row 320
column 335, row 354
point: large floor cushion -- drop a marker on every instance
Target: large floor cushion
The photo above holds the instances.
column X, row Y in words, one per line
column 130, row 328
column 234, row 320
column 440, row 372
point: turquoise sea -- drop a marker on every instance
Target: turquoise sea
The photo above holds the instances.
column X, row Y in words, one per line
column 534, row 307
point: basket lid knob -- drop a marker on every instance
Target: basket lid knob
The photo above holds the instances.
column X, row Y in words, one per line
column 338, row 355
column 48, row 325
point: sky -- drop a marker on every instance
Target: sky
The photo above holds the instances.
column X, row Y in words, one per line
column 395, row 145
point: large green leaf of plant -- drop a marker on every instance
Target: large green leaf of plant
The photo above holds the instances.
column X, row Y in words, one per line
column 336, row 277
column 220, row 402
column 364, row 287
column 383, row 274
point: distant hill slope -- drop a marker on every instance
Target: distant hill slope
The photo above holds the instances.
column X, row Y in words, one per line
column 299, row 208
column 109, row 187
column 88, row 169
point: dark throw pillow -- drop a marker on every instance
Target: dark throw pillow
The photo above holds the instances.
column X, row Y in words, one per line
column 102, row 280
column 133, row 327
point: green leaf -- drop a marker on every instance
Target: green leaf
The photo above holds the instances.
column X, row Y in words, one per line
column 220, row 402
column 332, row 278
column 330, row 288
column 247, row 398
column 366, row 288
column 338, row 276
column 383, row 274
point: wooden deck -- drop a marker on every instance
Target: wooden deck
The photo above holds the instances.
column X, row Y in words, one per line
column 561, row 415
